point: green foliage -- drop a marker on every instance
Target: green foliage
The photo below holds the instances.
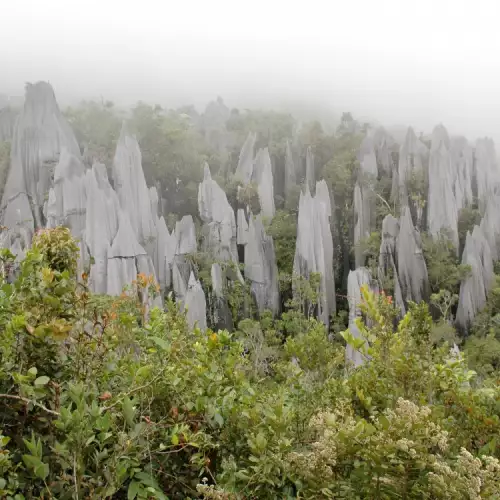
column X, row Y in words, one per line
column 98, row 403
column 467, row 218
column 444, row 269
column 272, row 129
column 283, row 229
column 173, row 152
column 96, row 127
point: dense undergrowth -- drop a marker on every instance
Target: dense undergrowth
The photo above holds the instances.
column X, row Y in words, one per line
column 98, row 400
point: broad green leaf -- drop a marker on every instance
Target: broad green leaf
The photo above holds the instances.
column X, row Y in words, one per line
column 128, row 411
column 43, row 380
column 160, row 342
column 133, row 489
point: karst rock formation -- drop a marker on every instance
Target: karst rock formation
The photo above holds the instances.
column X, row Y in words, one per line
column 430, row 184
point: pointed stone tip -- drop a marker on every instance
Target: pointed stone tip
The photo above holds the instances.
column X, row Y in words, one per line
column 207, row 176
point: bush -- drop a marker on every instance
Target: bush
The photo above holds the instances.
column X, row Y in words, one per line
column 98, row 403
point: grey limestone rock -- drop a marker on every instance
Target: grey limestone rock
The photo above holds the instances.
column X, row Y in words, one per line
column 412, row 270
column 131, row 187
column 242, row 231
column 122, row 264
column 290, row 169
column 475, row 288
column 261, row 268
column 185, row 234
column 384, row 146
column 310, row 170
column 364, row 218
column 195, row 303
column 355, row 281
column 413, row 156
column 387, row 268
column 263, row 177
column 40, row 134
column 220, row 225
column 486, row 170
column 70, row 193
column 314, row 247
column 221, row 314
column 442, row 210
column 462, row 166
column 244, row 169
column 101, row 223
column 490, row 224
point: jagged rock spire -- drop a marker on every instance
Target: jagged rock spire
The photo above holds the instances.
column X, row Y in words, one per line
column 101, row 224
column 131, row 187
column 261, row 268
column 263, row 177
column 290, row 169
column 475, row 288
column 195, row 304
column 244, row 169
column 69, row 193
column 486, row 170
column 412, row 269
column 41, row 133
column 387, row 268
column 314, row 246
column 412, row 158
column 462, row 165
column 442, row 210
column 310, row 169
column 355, row 281
column 186, row 236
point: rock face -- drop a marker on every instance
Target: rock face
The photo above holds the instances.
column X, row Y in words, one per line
column 41, row 133
column 383, row 144
column 290, row 169
column 131, row 187
column 314, row 246
column 462, row 166
column 486, row 171
column 263, row 177
column 412, row 159
column 310, row 170
column 356, row 279
column 195, row 304
column 412, row 270
column 101, row 224
column 68, row 197
column 364, row 218
column 261, row 268
column 185, row 234
column 490, row 224
column 122, row 265
column 387, row 267
column 442, row 210
column 242, row 230
column 218, row 216
column 244, row 169
column 221, row 314
column 474, row 290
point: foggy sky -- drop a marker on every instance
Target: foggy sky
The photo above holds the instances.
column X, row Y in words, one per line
column 398, row 62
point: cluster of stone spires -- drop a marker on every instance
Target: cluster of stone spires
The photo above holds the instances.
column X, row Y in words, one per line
column 121, row 233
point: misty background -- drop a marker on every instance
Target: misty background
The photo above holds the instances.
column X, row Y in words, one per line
column 394, row 62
